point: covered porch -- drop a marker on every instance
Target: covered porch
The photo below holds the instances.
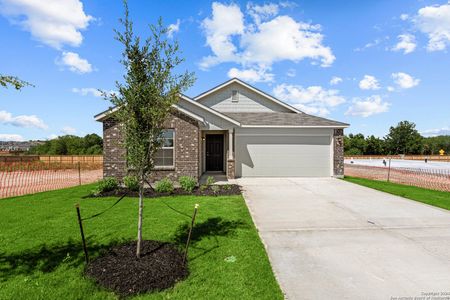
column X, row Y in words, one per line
column 217, row 154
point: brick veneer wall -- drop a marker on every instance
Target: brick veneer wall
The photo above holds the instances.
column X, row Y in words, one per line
column 186, row 149
column 338, row 159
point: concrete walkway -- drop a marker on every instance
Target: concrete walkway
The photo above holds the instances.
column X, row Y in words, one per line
column 330, row 239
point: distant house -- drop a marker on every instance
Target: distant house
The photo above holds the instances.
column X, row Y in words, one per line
column 239, row 130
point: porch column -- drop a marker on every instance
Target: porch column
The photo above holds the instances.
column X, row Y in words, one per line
column 230, row 161
column 230, row 144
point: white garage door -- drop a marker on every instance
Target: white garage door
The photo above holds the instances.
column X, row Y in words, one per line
column 283, row 155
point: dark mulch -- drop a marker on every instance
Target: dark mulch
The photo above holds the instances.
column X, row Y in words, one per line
column 221, row 190
column 160, row 267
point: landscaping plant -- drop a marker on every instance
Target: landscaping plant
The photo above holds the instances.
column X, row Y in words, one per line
column 187, row 183
column 210, row 180
column 145, row 97
column 131, row 182
column 107, row 184
column 164, row 186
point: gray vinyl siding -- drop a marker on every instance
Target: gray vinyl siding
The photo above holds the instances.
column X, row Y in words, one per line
column 213, row 122
column 283, row 152
column 249, row 101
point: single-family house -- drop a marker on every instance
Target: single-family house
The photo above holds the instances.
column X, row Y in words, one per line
column 239, row 130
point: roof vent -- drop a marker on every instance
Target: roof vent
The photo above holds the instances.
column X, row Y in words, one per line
column 234, row 96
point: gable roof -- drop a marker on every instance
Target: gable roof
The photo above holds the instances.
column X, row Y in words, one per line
column 250, row 87
column 103, row 115
column 280, row 119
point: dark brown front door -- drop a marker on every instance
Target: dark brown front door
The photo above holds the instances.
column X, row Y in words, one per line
column 214, row 152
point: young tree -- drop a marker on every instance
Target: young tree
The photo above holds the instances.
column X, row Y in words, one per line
column 145, row 98
column 404, row 139
column 14, row 81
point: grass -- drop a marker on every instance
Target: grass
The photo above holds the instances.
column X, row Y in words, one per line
column 41, row 256
column 431, row 197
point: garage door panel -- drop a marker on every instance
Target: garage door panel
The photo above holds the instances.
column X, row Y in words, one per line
column 283, row 156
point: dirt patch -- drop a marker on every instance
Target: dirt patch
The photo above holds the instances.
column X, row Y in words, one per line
column 215, row 190
column 160, row 267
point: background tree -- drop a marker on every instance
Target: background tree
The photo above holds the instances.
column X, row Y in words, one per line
column 14, row 81
column 354, row 144
column 70, row 145
column 374, row 146
column 404, row 139
column 145, row 98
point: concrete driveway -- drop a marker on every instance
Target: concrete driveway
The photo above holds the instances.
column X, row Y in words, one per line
column 330, row 239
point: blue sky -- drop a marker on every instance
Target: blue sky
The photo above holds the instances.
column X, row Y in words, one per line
column 368, row 63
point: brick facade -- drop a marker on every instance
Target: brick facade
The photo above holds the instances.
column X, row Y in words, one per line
column 338, row 147
column 186, row 147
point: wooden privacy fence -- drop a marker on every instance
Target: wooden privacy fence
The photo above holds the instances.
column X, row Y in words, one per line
column 400, row 156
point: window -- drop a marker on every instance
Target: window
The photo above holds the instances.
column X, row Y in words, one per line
column 164, row 157
column 234, row 96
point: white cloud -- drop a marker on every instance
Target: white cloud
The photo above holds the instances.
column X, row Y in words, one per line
column 6, row 137
column 367, row 107
column 404, row 81
column 390, row 88
column 173, row 28
column 313, row 99
column 262, row 12
column 226, row 21
column 335, row 80
column 436, row 131
column 68, row 130
column 435, row 22
column 53, row 22
column 266, row 40
column 21, row 120
column 369, row 82
column 407, row 43
column 91, row 92
column 251, row 75
column 75, row 63
column 404, row 17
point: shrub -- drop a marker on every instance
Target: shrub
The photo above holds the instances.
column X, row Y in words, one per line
column 187, row 183
column 210, row 180
column 215, row 188
column 203, row 187
column 226, row 187
column 131, row 182
column 164, row 186
column 107, row 184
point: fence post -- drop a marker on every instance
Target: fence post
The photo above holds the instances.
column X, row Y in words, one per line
column 80, row 222
column 389, row 170
column 79, row 173
column 190, row 232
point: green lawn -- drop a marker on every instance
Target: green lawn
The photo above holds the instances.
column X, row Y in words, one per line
column 431, row 197
column 41, row 256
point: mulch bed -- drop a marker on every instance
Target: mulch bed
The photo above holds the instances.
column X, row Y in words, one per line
column 222, row 190
column 160, row 267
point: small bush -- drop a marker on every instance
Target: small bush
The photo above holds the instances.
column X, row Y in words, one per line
column 226, row 187
column 187, row 183
column 131, row 182
column 164, row 186
column 203, row 187
column 215, row 188
column 210, row 180
column 107, row 184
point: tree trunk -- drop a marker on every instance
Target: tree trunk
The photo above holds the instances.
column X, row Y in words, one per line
column 141, row 208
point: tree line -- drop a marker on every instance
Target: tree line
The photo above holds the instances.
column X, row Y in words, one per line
column 70, row 145
column 401, row 139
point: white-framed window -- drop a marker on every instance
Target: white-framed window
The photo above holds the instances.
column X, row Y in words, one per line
column 234, row 96
column 165, row 157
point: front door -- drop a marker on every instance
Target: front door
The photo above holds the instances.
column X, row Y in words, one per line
column 214, row 152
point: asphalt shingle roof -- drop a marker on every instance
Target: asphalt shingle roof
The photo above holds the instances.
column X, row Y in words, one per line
column 281, row 119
